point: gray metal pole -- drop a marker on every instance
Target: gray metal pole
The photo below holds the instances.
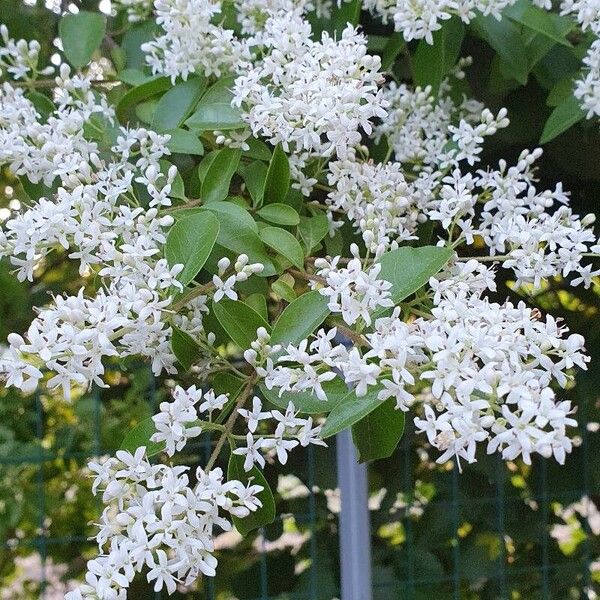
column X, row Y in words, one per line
column 355, row 535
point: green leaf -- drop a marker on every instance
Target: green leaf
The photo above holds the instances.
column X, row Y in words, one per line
column 537, row 20
column 184, row 142
column 392, row 48
column 377, row 435
column 190, row 242
column 432, row 62
column 239, row 321
column 258, row 302
column 280, row 214
column 254, row 175
column 312, row 230
column 175, row 106
column 278, row 177
column 185, row 349
column 306, row 402
column 282, row 288
column 565, row 115
column 217, row 180
column 284, row 243
column 503, row 36
column 239, row 233
column 300, row 318
column 133, row 40
column 140, row 436
column 562, row 90
column 408, row 269
column 42, row 104
column 81, row 35
column 214, row 111
column 349, row 411
column 134, row 96
column 264, row 514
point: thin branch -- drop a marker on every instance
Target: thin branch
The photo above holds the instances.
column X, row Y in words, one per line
column 245, row 393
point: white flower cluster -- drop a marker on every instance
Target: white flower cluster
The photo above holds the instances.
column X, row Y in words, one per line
column 242, row 270
column 312, row 97
column 155, row 519
column 490, row 367
column 190, row 42
column 290, row 432
column 177, row 421
column 20, row 58
column 418, row 19
column 352, row 291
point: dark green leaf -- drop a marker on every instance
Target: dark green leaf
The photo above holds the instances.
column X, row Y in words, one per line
column 537, row 20
column 174, row 107
column 565, row 115
column 254, row 175
column 239, row 233
column 392, row 48
column 377, row 435
column 81, row 35
column 185, row 349
column 239, row 321
column 214, row 111
column 313, row 230
column 258, row 302
column 134, row 96
column 280, row 214
column 300, row 318
column 284, row 243
column 190, row 242
column 184, row 142
column 263, row 515
column 503, row 36
column 133, row 40
column 349, row 411
column 217, row 180
column 432, row 62
column 278, row 177
column 408, row 269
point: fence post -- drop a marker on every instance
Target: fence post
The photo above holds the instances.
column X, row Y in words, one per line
column 355, row 536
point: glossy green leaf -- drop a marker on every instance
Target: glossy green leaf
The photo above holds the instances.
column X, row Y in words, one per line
column 300, row 318
column 349, row 411
column 190, row 241
column 217, row 180
column 81, row 35
column 565, row 115
column 239, row 233
column 312, row 230
column 258, row 302
column 283, row 289
column 184, row 142
column 306, row 402
column 408, row 269
column 138, row 94
column 284, row 243
column 432, row 62
column 185, row 349
column 133, row 40
column 503, row 36
column 214, row 111
column 254, row 175
column 265, row 514
column 377, row 435
column 239, row 321
column 280, row 214
column 394, row 44
column 140, row 436
column 277, row 183
column 537, row 20
column 175, row 106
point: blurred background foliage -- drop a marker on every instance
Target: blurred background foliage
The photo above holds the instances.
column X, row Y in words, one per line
column 496, row 531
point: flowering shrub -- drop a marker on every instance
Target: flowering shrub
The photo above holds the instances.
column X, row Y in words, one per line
column 298, row 236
